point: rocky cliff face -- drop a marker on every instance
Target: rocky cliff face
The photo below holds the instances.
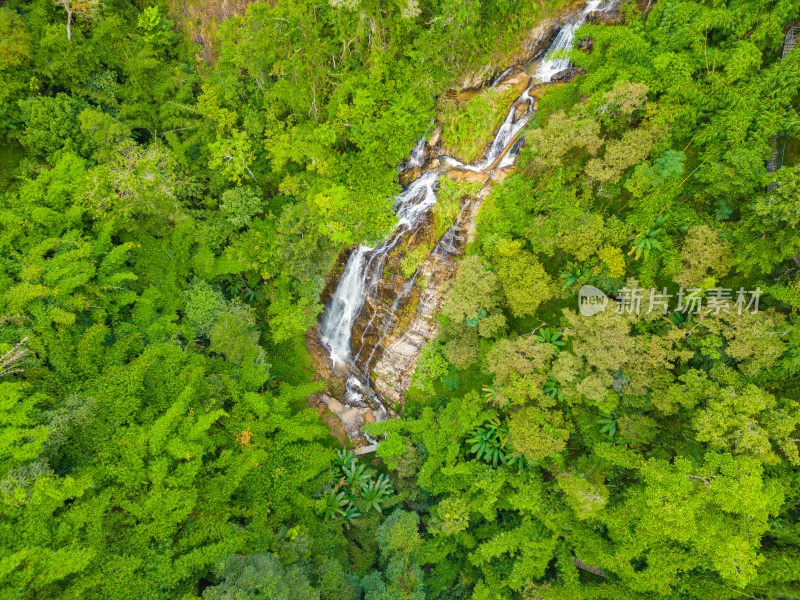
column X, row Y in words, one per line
column 394, row 369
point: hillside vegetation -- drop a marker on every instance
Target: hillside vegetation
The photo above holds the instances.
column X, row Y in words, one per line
column 166, row 229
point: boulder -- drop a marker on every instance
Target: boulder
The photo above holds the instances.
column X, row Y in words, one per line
column 334, row 406
column 517, row 79
column 567, row 74
column 410, row 175
column 539, row 41
column 613, row 15
column 459, row 174
column 436, row 137
column 352, row 420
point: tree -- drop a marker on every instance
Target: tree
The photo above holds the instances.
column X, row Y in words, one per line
column 86, row 9
column 525, row 283
column 259, row 576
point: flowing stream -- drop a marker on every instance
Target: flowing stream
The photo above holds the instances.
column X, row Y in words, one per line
column 365, row 264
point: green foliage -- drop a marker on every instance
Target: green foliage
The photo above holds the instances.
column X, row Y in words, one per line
column 608, row 425
column 204, row 305
column 546, row 336
column 431, row 366
column 488, row 442
column 240, row 205
column 156, row 28
column 259, row 576
column 167, row 226
column 648, row 436
column 449, row 197
column 467, row 127
column 52, row 126
column 412, row 261
column 476, row 289
column 648, row 240
column 375, row 492
column 356, row 491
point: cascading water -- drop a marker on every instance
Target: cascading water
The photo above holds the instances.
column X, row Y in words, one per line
column 365, row 265
column 364, row 269
column 554, row 61
column 417, row 154
column 507, row 132
column 344, row 307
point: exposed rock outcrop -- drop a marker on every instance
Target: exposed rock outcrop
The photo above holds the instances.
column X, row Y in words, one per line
column 393, row 371
column 410, row 175
column 567, row 75
column 532, row 47
column 517, row 79
column 459, row 174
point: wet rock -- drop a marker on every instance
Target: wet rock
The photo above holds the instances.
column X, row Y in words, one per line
column 568, row 74
column 359, row 444
column 459, row 174
column 399, row 314
column 536, row 47
column 537, row 41
column 393, row 371
column 410, row 175
column 333, row 377
column 613, row 16
column 334, row 405
column 517, row 79
column 585, row 44
column 352, row 420
column 436, row 137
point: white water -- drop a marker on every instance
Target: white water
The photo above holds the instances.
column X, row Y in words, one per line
column 507, row 132
column 364, row 267
column 415, row 160
column 344, row 308
column 553, row 63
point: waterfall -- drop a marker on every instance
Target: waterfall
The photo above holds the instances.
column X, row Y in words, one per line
column 507, row 132
column 562, row 44
column 343, row 310
column 417, row 154
column 364, row 269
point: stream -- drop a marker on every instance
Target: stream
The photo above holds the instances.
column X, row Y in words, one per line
column 364, row 269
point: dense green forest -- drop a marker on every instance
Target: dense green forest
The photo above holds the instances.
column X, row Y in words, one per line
column 169, row 217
